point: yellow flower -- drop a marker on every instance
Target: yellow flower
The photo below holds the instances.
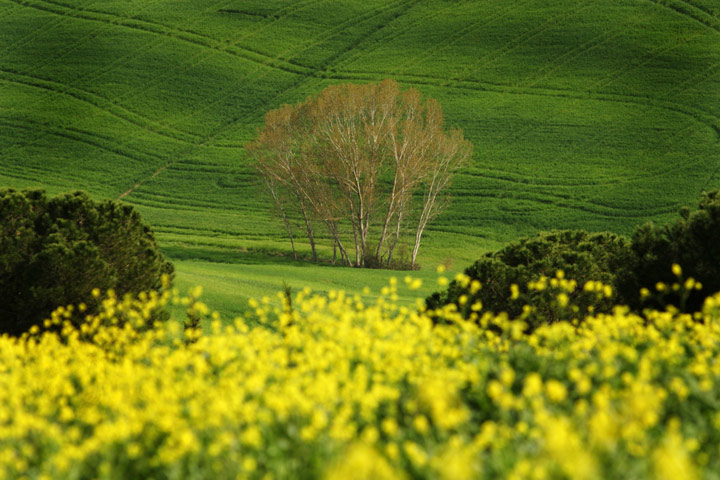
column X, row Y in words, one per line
column 555, row 390
column 389, row 426
column 421, row 424
column 563, row 299
column 361, row 462
column 533, row 385
column 672, row 461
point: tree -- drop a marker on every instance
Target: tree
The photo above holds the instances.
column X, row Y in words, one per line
column 360, row 159
column 55, row 251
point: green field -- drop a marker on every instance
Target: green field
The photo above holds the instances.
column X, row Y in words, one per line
column 584, row 114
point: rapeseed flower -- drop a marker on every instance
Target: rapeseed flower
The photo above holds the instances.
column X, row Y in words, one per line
column 339, row 387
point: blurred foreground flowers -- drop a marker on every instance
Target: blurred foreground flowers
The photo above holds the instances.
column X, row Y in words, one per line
column 331, row 387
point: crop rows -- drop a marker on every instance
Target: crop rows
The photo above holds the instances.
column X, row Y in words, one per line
column 581, row 113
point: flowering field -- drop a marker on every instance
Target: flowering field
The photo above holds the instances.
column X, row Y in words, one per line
column 329, row 387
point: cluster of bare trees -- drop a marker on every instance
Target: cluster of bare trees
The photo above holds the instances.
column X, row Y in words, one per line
column 370, row 163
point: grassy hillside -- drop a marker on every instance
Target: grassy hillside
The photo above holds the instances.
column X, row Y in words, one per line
column 584, row 114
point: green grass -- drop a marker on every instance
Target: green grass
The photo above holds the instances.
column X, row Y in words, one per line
column 596, row 114
column 228, row 287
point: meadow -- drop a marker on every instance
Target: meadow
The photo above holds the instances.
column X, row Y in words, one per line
column 594, row 115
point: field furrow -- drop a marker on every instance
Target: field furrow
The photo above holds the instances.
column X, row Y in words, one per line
column 692, row 11
column 98, row 102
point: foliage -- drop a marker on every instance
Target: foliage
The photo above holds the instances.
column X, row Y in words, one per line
column 693, row 242
column 339, row 388
column 675, row 264
column 57, row 250
column 501, row 281
column 359, row 157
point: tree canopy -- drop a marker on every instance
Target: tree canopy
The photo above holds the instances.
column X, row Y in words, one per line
column 55, row 251
column 368, row 162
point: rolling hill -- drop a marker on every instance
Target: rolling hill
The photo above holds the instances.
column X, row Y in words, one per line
column 584, row 114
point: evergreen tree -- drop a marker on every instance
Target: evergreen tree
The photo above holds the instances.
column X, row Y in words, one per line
column 55, row 251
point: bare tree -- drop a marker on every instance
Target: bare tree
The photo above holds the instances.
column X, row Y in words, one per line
column 449, row 153
column 278, row 159
column 358, row 157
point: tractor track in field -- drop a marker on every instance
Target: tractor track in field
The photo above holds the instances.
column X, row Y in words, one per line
column 703, row 9
column 574, row 54
column 99, row 102
column 691, row 11
column 155, row 28
column 387, row 34
column 74, row 135
column 155, row 199
column 140, row 183
column 545, row 182
column 462, row 34
column 180, row 155
column 629, row 212
column 270, row 19
column 208, row 42
column 83, row 137
column 313, row 73
column 569, row 203
column 352, row 46
column 47, row 27
column 270, row 62
column 396, row 5
column 205, row 55
column 616, row 74
column 493, row 56
column 206, row 143
column 78, row 43
column 698, row 115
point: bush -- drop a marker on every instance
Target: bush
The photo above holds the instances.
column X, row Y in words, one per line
column 693, row 242
column 56, row 251
column 646, row 263
column 577, row 254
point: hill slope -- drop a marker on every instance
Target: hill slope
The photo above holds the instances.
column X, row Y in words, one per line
column 592, row 114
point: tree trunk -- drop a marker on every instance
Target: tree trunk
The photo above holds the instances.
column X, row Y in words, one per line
column 397, row 237
column 358, row 257
column 289, row 230
column 388, row 218
column 278, row 203
column 418, row 237
column 309, row 231
column 343, row 253
column 429, row 210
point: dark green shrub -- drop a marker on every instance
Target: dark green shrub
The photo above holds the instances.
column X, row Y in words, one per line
column 55, row 251
column 579, row 255
column 692, row 241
